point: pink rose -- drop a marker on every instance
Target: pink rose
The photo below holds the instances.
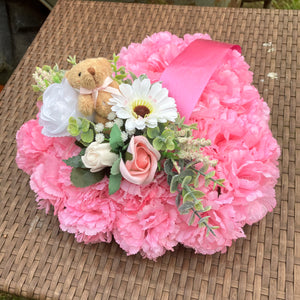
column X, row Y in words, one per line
column 142, row 167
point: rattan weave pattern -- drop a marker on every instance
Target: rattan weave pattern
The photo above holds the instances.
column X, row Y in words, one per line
column 38, row 260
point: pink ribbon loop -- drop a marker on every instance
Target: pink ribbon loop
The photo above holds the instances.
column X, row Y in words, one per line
column 188, row 74
column 104, row 87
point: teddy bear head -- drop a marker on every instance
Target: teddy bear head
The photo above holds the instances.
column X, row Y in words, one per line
column 89, row 73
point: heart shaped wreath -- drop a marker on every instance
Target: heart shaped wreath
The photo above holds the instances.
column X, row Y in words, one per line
column 159, row 181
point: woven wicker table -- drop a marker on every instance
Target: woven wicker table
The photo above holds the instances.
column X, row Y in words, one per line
column 39, row 261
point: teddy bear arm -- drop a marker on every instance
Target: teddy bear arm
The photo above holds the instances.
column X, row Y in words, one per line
column 102, row 107
column 86, row 104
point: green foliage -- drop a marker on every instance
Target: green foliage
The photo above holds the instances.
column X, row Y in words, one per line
column 114, row 183
column 115, row 168
column 46, row 76
column 72, row 60
column 83, row 177
column 74, row 162
column 82, row 127
column 115, row 177
column 88, row 136
column 290, row 4
column 183, row 179
column 115, row 139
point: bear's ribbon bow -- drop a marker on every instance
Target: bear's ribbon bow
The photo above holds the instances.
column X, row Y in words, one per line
column 104, row 87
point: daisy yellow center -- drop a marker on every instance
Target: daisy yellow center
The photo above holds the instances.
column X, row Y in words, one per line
column 141, row 108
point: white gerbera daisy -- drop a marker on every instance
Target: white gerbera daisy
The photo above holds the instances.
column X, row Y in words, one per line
column 143, row 105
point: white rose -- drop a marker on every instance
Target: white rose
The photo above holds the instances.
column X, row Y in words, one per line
column 98, row 156
column 59, row 104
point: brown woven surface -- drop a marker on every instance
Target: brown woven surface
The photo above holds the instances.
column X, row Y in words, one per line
column 38, row 260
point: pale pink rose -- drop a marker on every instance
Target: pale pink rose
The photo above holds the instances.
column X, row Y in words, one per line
column 142, row 167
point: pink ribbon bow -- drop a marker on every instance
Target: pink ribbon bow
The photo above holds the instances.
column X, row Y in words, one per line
column 104, row 87
column 188, row 74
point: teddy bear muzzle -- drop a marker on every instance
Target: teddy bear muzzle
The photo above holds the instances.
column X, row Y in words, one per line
column 91, row 70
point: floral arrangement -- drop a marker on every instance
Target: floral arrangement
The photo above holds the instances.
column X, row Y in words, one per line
column 148, row 176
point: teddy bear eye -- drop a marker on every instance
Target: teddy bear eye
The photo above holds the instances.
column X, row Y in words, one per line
column 79, row 74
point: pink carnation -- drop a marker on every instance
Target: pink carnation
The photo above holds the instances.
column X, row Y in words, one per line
column 144, row 218
column 31, row 144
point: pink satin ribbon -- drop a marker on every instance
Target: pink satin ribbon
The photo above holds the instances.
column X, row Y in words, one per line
column 188, row 74
column 105, row 88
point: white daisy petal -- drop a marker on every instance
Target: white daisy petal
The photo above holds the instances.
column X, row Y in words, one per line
column 143, row 105
column 140, row 123
column 126, row 90
column 130, row 125
column 122, row 113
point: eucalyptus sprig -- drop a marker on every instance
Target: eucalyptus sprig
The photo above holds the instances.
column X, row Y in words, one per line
column 183, row 179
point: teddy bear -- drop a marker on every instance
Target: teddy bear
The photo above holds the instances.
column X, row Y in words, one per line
column 92, row 78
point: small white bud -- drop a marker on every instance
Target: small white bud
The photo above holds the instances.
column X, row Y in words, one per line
column 109, row 124
column 99, row 127
column 99, row 138
column 111, row 116
column 119, row 122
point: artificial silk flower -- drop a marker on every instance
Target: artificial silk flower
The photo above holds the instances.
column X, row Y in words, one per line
column 59, row 104
column 143, row 105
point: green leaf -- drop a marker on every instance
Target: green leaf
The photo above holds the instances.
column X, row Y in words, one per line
column 185, row 173
column 115, row 168
column 82, row 152
column 191, row 164
column 168, row 133
column 174, row 183
column 192, row 219
column 83, row 177
column 192, row 195
column 178, row 197
column 170, row 144
column 152, row 133
column 158, row 143
column 35, row 88
column 114, row 183
column 169, row 179
column 187, row 180
column 115, row 139
column 133, row 76
column 196, row 181
column 168, row 166
column 73, row 129
column 203, row 221
column 204, row 168
column 128, row 156
column 207, row 182
column 72, row 120
column 88, row 137
column 185, row 207
column 199, row 206
column 210, row 174
column 74, row 162
column 85, row 125
column 220, row 182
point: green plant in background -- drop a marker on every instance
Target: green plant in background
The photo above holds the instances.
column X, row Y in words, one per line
column 6, row 296
column 291, row 4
